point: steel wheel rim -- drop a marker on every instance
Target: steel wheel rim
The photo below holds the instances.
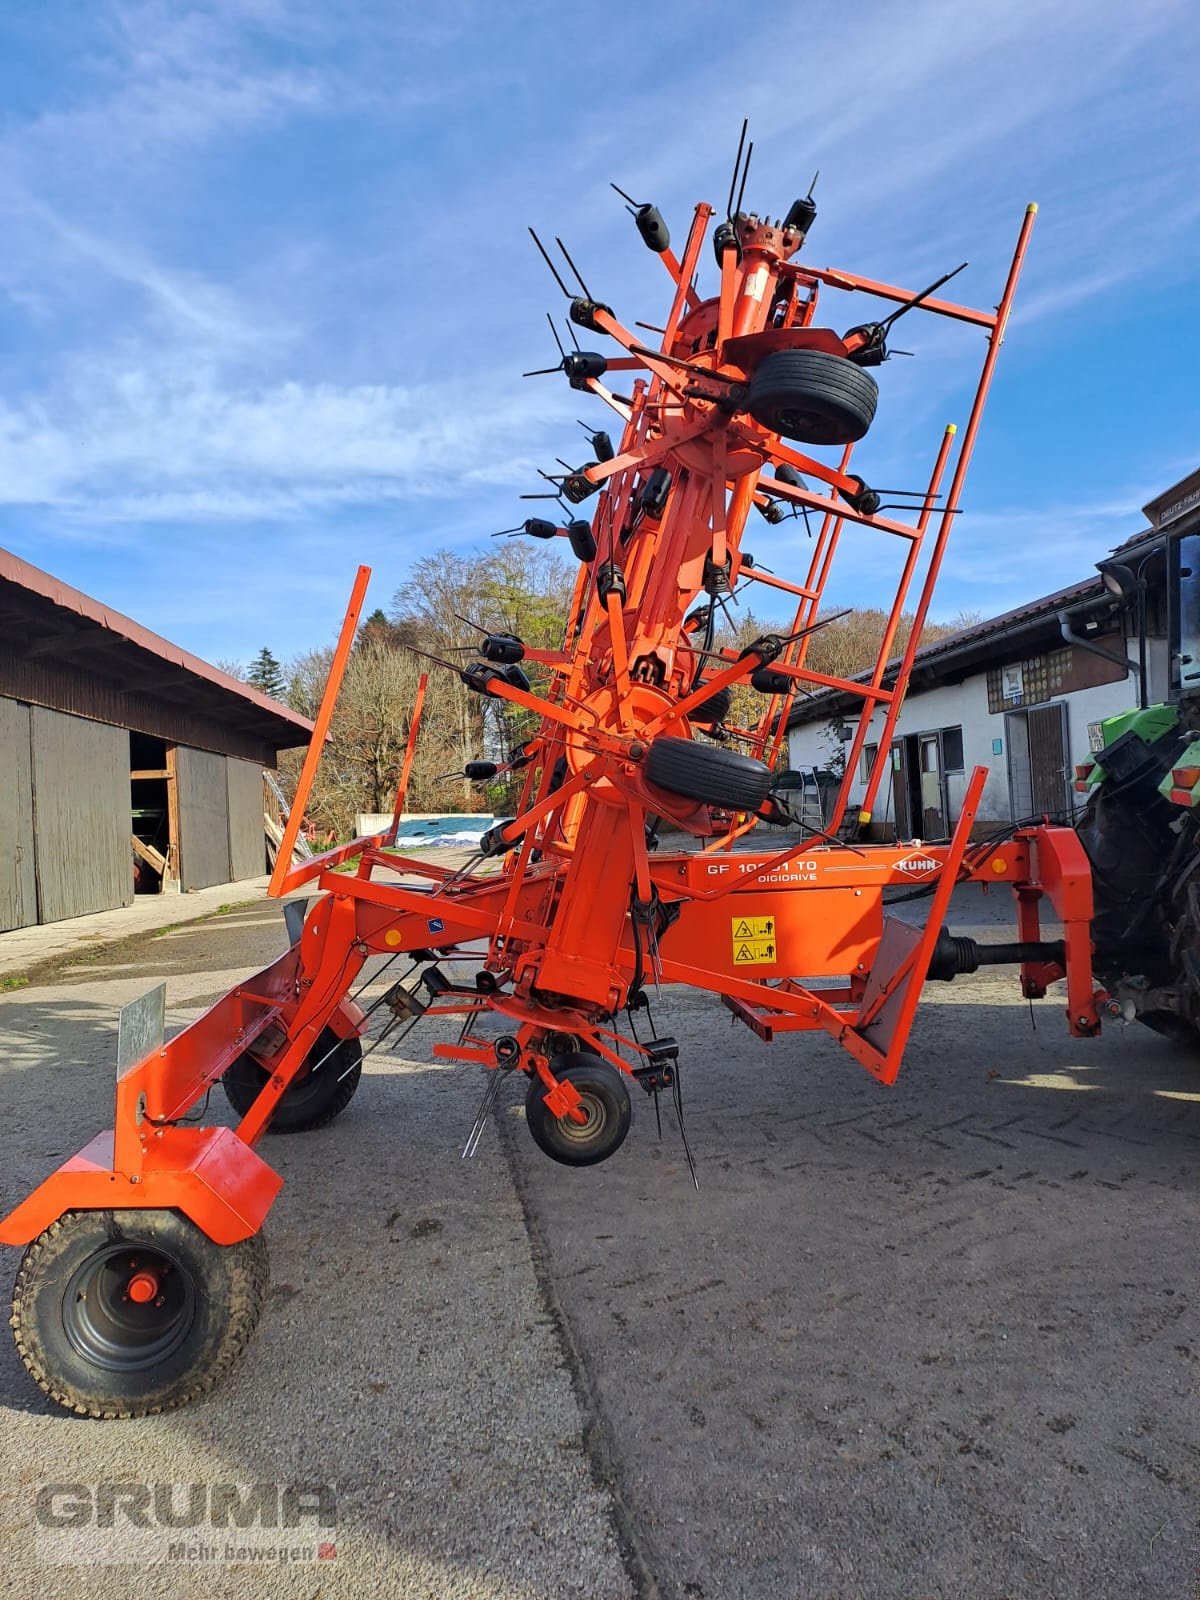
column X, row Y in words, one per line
column 596, row 1113
column 109, row 1328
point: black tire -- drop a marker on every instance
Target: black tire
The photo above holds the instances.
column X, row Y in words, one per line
column 100, row 1352
column 812, row 396
column 713, row 710
column 605, row 1101
column 311, row 1100
column 1128, row 845
column 706, row 773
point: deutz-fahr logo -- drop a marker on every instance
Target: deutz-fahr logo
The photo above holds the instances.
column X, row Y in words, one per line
column 918, row 866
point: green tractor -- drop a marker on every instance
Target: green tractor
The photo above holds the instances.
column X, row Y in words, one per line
column 1141, row 823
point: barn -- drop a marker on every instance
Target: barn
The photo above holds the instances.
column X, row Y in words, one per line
column 125, row 762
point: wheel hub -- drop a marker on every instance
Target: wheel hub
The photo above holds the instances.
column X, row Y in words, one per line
column 593, row 1118
column 125, row 1309
column 143, row 1286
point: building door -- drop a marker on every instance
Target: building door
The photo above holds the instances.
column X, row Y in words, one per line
column 202, row 793
column 933, row 803
column 906, row 786
column 81, row 815
column 1038, row 762
column 18, row 885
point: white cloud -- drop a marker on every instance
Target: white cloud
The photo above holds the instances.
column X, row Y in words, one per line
column 156, row 440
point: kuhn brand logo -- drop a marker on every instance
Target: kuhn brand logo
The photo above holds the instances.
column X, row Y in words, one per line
column 918, row 866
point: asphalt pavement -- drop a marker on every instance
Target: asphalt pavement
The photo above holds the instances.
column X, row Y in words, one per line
column 920, row 1343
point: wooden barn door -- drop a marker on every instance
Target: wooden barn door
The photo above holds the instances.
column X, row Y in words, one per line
column 18, row 883
column 203, row 800
column 81, row 814
column 1038, row 762
column 247, row 842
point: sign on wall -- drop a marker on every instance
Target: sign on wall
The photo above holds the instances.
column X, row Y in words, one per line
column 1036, row 679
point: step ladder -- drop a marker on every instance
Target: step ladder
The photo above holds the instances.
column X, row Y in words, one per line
column 303, row 848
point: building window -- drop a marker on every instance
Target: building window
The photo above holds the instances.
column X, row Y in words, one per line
column 867, row 761
column 952, row 749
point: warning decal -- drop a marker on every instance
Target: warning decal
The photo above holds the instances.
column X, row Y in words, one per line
column 753, row 940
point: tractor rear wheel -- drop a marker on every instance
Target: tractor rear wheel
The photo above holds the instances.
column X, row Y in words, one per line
column 323, row 1089
column 1143, row 928
column 604, row 1098
column 706, row 773
column 812, row 396
column 127, row 1313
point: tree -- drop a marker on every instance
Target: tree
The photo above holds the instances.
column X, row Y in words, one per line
column 266, row 675
column 360, row 765
column 451, row 601
column 448, row 602
column 375, row 630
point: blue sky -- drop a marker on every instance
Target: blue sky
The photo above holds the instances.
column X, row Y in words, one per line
column 266, row 289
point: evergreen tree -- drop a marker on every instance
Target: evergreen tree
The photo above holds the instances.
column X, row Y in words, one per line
column 265, row 674
column 376, row 630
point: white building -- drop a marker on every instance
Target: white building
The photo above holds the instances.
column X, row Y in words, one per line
column 1022, row 694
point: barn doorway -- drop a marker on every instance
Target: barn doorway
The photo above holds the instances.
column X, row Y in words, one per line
column 922, row 768
column 154, row 829
column 1038, row 763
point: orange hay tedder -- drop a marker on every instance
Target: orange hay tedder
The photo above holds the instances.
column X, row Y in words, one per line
column 145, row 1267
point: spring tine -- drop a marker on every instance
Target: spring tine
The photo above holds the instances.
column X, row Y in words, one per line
column 491, row 1090
column 677, row 1092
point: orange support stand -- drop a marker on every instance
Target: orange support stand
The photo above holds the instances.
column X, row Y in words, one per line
column 285, row 877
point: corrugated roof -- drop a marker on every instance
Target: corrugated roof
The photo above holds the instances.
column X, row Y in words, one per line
column 24, row 576
column 928, row 655
column 1010, row 621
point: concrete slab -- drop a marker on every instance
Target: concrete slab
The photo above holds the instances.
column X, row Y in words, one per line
column 25, row 948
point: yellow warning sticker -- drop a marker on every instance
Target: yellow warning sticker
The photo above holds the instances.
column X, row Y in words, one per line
column 753, row 940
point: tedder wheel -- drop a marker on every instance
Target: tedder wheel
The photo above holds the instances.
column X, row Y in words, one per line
column 310, row 1100
column 812, row 396
column 605, row 1106
column 707, row 773
column 125, row 1313
column 715, row 709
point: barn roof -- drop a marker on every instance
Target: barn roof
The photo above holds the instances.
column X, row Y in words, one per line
column 45, row 624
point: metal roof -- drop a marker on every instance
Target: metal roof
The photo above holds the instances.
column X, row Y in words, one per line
column 969, row 648
column 40, row 616
column 977, row 646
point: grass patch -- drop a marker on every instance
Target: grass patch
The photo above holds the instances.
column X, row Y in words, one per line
column 205, row 916
column 14, row 981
